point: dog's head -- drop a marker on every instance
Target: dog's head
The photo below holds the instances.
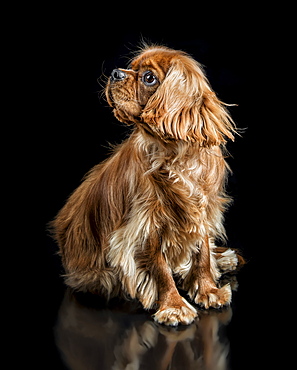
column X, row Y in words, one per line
column 166, row 92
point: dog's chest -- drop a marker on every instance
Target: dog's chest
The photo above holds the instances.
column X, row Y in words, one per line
column 179, row 196
column 184, row 177
column 175, row 199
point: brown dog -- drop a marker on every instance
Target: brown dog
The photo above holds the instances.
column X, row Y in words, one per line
column 152, row 211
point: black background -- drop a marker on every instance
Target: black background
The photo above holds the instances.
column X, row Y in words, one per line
column 71, row 49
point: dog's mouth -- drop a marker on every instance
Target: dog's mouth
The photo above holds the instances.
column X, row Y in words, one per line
column 118, row 97
column 117, row 94
column 126, row 107
column 121, row 99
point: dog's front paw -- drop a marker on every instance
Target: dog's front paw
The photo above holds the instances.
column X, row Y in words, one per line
column 172, row 316
column 214, row 297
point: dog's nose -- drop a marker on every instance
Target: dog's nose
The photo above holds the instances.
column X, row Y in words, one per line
column 118, row 75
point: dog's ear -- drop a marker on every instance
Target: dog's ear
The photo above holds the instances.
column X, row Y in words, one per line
column 184, row 107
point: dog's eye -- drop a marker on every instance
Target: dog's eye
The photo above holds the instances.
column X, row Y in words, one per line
column 149, row 79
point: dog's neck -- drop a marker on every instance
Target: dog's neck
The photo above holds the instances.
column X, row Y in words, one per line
column 169, row 150
column 178, row 157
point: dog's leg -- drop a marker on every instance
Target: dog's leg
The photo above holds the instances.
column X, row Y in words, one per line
column 208, row 293
column 173, row 309
column 202, row 286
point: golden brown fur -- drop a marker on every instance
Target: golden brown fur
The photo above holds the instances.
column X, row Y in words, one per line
column 151, row 212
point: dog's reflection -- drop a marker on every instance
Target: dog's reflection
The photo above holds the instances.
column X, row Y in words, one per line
column 91, row 335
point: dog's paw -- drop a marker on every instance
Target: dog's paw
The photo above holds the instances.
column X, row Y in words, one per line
column 172, row 316
column 228, row 261
column 215, row 297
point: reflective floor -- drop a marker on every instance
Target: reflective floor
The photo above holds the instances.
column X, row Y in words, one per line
column 87, row 334
column 124, row 337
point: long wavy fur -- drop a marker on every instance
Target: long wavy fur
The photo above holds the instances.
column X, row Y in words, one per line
column 149, row 215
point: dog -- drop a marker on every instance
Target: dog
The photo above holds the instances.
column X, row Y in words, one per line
column 144, row 222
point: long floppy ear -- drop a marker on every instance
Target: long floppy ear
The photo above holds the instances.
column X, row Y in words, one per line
column 184, row 107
